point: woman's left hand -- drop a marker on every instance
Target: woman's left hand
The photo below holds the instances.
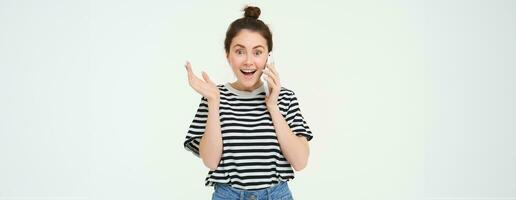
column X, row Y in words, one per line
column 274, row 86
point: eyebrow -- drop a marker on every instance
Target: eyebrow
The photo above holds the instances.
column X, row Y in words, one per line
column 253, row 47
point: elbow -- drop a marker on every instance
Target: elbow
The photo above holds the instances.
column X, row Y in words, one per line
column 211, row 167
column 211, row 164
column 299, row 167
column 300, row 163
column 209, row 159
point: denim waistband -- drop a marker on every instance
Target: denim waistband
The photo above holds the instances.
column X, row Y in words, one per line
column 276, row 191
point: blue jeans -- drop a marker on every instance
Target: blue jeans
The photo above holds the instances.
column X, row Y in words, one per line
column 279, row 191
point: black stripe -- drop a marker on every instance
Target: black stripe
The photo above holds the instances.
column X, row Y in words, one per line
column 244, row 114
column 233, row 170
column 238, row 144
column 251, row 184
column 247, row 131
column 245, row 125
column 199, row 121
column 243, row 177
column 253, row 157
column 245, row 120
column 242, row 109
column 242, row 99
column 197, row 127
column 243, row 104
column 250, row 150
column 248, row 137
column 253, row 164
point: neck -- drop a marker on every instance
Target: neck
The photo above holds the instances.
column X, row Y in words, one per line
column 237, row 85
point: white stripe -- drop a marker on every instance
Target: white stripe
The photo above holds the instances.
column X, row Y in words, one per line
column 254, row 154
column 243, row 128
column 241, row 161
column 251, row 147
column 249, row 141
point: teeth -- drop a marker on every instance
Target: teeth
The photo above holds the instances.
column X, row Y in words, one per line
column 248, row 70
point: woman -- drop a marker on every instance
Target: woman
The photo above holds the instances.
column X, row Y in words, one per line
column 250, row 142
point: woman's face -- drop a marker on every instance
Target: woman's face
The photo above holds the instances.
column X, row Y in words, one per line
column 247, row 56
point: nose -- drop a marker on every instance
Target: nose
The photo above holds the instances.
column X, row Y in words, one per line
column 249, row 60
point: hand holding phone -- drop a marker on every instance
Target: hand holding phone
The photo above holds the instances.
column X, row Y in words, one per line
column 270, row 61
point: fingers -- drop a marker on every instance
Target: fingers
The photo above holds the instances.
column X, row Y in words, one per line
column 188, row 68
column 274, row 77
column 206, row 78
column 272, row 70
column 272, row 83
column 192, row 78
column 272, row 67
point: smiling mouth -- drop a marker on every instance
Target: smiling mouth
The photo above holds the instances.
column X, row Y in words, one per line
column 248, row 72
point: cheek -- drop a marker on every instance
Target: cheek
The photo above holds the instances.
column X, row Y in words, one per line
column 236, row 62
column 234, row 65
column 261, row 63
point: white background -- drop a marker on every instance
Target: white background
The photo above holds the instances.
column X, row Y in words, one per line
column 406, row 99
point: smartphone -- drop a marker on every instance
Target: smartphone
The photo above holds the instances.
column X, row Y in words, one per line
column 270, row 61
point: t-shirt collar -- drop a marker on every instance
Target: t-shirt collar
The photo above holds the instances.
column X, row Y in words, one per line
column 255, row 92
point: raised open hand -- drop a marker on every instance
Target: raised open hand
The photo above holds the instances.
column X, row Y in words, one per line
column 206, row 87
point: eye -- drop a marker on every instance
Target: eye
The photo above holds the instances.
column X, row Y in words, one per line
column 258, row 52
column 239, row 51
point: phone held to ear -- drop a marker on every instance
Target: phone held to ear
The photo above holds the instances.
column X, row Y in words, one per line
column 270, row 61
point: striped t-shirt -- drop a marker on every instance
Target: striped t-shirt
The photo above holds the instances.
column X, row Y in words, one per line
column 251, row 156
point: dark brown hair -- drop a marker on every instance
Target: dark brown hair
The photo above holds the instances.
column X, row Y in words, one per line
column 251, row 22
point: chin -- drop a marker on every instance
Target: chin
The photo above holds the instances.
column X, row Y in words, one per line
column 248, row 83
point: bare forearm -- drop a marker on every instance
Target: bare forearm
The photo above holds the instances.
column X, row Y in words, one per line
column 295, row 148
column 210, row 148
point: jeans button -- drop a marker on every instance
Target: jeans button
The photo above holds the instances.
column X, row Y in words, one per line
column 252, row 197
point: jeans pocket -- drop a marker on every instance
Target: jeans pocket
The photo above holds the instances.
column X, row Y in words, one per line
column 221, row 194
column 286, row 197
column 283, row 192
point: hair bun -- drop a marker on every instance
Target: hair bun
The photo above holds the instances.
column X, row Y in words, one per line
column 252, row 12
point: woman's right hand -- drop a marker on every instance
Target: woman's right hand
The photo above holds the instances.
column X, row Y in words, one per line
column 206, row 88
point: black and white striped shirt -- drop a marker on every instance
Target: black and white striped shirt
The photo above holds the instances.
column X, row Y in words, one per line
column 251, row 157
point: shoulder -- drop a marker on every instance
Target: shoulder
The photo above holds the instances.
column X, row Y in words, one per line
column 287, row 92
column 224, row 90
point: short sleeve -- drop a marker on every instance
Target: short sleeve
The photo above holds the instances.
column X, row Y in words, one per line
column 197, row 127
column 296, row 120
